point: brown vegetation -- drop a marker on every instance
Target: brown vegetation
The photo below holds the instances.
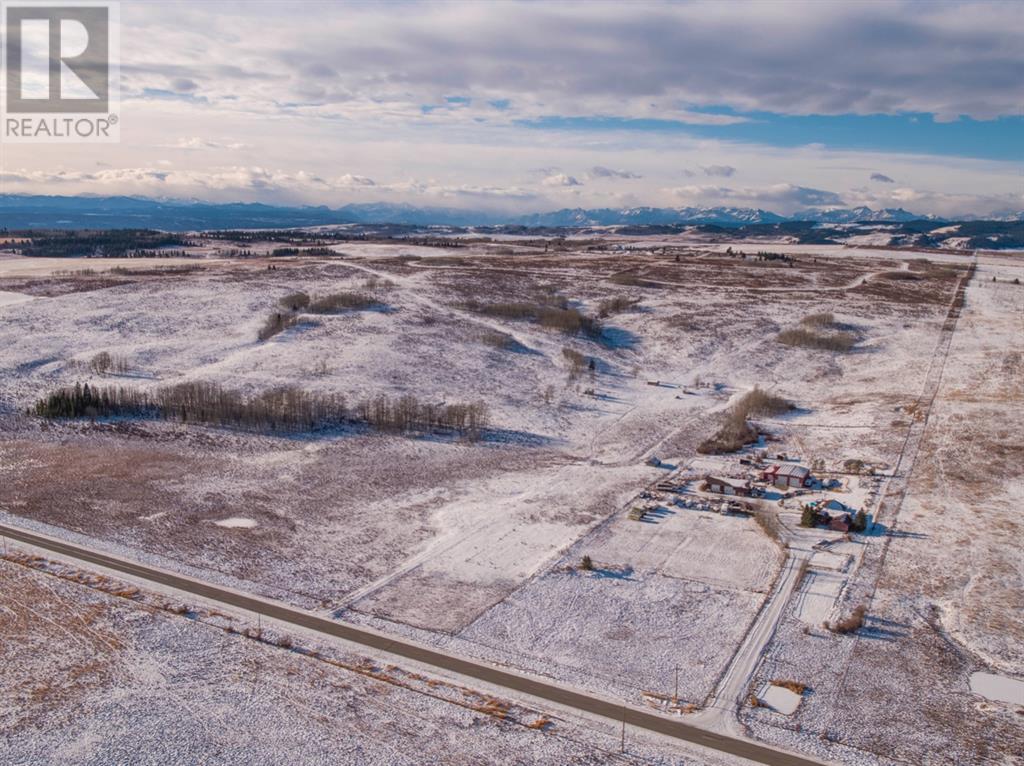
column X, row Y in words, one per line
column 736, row 431
column 807, row 338
column 281, row 409
column 794, row 686
column 277, row 322
column 337, row 302
column 609, row 306
column 553, row 314
column 631, row 279
column 851, row 623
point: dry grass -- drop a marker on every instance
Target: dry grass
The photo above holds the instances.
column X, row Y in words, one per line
column 821, row 319
column 851, row 623
column 806, row 338
column 769, row 523
column 276, row 323
column 294, row 301
column 338, row 302
column 553, row 315
column 794, row 686
column 630, row 279
column 618, row 304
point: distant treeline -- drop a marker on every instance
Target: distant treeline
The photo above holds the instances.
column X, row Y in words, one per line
column 287, row 408
column 115, row 243
column 283, row 251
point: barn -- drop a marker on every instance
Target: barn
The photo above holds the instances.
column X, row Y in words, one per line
column 727, row 486
column 786, row 475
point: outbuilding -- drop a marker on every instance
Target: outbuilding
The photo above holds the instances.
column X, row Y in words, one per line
column 727, row 486
column 787, row 475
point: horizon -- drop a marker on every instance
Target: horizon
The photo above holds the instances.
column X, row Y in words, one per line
column 661, row 105
column 513, row 216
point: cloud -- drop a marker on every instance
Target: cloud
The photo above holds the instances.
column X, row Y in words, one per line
column 680, row 62
column 561, row 179
column 353, row 180
column 599, row 171
column 723, row 171
column 195, row 142
column 881, row 178
column 780, row 198
column 183, row 85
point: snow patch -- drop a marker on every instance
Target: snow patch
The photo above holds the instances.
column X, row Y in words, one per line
column 236, row 522
column 998, row 688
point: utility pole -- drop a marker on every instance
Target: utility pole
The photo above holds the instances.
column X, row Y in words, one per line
column 622, row 746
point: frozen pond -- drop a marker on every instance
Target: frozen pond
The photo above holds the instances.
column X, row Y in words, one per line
column 9, row 299
column 236, row 522
column 998, row 688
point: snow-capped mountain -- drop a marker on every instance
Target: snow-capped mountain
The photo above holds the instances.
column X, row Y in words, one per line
column 857, row 214
column 38, row 211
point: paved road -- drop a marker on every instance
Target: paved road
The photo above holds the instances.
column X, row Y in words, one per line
column 511, row 680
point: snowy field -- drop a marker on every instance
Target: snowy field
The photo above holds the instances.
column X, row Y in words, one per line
column 948, row 605
column 143, row 666
column 476, row 545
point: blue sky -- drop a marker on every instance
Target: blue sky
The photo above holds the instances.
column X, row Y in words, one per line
column 535, row 106
column 998, row 139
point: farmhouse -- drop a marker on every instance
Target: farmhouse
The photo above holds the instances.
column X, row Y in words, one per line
column 727, row 486
column 786, row 475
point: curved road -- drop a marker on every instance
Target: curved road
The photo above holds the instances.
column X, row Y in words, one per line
column 508, row 679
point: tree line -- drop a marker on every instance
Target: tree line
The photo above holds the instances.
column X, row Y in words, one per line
column 286, row 408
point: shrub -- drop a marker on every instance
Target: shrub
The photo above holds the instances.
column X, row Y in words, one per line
column 407, row 414
column 331, row 304
column 294, row 301
column 276, row 322
column 577, row 361
column 497, row 339
column 736, row 431
column 860, row 521
column 586, row 563
column 823, row 319
column 805, row 338
column 906, row 276
column 630, row 279
column 794, row 686
column 610, row 306
column 808, row 517
column 852, row 623
column 734, row 434
column 101, row 363
column 760, row 402
column 553, row 314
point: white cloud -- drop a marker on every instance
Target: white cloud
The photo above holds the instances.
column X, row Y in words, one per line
column 561, row 179
column 600, row 171
column 722, row 171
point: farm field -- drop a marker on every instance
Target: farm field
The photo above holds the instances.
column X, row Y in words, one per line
column 145, row 664
column 600, row 372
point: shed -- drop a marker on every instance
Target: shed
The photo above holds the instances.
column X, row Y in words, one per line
column 786, row 475
column 727, row 486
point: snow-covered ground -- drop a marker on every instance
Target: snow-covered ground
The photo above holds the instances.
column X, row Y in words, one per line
column 109, row 674
column 475, row 546
column 948, row 604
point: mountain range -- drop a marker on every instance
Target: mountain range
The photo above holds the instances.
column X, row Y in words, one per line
column 91, row 212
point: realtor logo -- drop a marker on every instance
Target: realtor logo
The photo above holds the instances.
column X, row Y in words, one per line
column 60, row 72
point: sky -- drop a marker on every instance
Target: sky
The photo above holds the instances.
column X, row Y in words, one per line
column 537, row 106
